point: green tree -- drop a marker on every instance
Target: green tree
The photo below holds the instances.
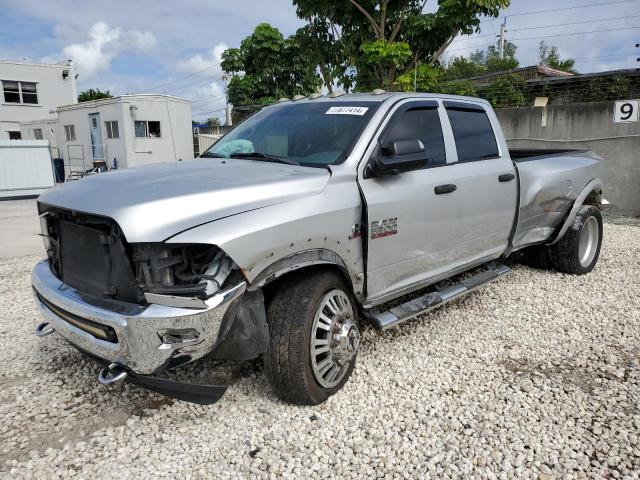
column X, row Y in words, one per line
column 550, row 56
column 213, row 121
column 600, row 89
column 457, row 87
column 93, row 94
column 382, row 39
column 267, row 66
column 461, row 67
column 318, row 40
column 507, row 91
column 426, row 79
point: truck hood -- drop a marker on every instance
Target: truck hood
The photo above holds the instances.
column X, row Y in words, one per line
column 155, row 202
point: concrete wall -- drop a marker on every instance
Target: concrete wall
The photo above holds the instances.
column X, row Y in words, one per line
column 584, row 126
column 53, row 91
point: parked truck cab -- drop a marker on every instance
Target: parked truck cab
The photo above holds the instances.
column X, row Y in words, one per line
column 297, row 229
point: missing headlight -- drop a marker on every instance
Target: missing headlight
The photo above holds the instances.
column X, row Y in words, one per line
column 183, row 270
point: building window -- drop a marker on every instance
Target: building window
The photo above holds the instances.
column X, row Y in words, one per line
column 20, row 92
column 112, row 129
column 37, row 134
column 70, row 133
column 15, row 136
column 147, row 129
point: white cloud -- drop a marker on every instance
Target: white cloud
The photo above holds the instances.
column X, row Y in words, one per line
column 198, row 62
column 205, row 85
column 95, row 55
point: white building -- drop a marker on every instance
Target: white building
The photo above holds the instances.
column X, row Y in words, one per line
column 32, row 91
column 126, row 131
column 42, row 130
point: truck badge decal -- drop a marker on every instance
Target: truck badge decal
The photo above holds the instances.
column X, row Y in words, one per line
column 355, row 231
column 384, row 228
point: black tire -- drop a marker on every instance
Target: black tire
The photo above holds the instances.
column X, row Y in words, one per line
column 537, row 257
column 565, row 254
column 290, row 316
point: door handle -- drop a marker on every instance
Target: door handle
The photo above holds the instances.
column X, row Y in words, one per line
column 442, row 189
column 506, row 177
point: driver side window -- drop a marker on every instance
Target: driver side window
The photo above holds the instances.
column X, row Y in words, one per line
column 419, row 123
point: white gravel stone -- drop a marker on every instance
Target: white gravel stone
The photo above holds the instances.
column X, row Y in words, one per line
column 536, row 376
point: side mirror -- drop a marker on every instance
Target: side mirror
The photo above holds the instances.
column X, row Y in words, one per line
column 398, row 156
column 402, row 147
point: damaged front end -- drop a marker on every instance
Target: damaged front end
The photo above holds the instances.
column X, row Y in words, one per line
column 182, row 275
column 143, row 308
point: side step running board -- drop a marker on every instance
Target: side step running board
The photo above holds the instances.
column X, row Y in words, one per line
column 417, row 306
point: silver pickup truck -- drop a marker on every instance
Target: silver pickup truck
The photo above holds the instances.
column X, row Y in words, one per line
column 309, row 220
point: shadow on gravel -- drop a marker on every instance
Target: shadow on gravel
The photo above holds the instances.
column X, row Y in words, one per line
column 587, row 375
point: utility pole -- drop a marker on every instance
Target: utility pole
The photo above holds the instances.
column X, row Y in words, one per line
column 503, row 31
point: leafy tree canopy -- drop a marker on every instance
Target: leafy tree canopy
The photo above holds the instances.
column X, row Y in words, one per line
column 213, row 121
column 506, row 91
column 380, row 39
column 93, row 94
column 268, row 66
column 426, row 79
column 461, row 67
column 549, row 55
column 491, row 61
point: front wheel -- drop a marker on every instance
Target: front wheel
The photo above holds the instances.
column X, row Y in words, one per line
column 314, row 337
column 578, row 251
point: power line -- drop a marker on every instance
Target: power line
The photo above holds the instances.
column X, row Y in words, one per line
column 207, row 100
column 574, row 23
column 207, row 113
column 188, row 85
column 471, row 37
column 630, row 55
column 561, row 9
column 576, row 33
column 182, row 78
column 548, row 36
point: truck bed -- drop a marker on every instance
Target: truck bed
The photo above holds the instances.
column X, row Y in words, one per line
column 550, row 181
column 525, row 154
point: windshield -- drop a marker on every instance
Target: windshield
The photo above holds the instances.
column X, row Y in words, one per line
column 311, row 134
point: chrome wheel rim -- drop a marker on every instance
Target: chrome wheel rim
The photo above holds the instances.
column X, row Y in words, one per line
column 588, row 245
column 334, row 339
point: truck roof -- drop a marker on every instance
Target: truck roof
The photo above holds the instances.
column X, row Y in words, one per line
column 379, row 96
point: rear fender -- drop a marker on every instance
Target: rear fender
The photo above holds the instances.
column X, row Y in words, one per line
column 593, row 189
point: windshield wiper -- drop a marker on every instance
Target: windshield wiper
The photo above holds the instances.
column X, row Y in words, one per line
column 263, row 156
column 211, row 155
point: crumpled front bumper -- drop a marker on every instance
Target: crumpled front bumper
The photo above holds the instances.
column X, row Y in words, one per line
column 147, row 338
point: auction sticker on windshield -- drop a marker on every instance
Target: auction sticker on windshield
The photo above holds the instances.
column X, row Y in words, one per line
column 347, row 111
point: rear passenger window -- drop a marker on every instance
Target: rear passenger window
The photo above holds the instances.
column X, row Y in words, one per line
column 473, row 134
column 419, row 124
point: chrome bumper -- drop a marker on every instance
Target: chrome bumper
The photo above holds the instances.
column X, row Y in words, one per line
column 147, row 337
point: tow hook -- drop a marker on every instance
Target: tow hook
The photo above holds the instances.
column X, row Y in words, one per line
column 112, row 374
column 44, row 329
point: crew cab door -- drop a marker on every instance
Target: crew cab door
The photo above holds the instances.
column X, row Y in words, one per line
column 453, row 211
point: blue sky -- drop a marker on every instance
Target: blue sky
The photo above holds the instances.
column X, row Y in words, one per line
column 155, row 46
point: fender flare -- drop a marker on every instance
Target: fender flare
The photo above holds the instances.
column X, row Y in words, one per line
column 296, row 261
column 594, row 185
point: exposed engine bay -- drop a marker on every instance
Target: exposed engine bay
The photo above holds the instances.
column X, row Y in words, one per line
column 90, row 253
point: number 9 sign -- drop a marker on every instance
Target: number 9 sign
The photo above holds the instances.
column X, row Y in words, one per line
column 626, row 111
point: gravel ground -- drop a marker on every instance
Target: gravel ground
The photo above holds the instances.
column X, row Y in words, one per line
column 536, row 376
